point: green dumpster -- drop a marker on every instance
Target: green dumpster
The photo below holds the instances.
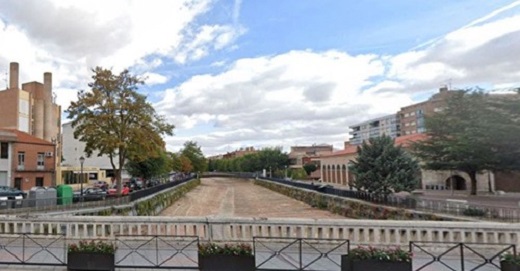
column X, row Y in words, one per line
column 65, row 194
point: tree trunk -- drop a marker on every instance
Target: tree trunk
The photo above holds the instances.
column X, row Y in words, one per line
column 473, row 177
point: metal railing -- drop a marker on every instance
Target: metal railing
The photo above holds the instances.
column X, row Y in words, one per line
column 181, row 252
column 56, row 204
column 458, row 208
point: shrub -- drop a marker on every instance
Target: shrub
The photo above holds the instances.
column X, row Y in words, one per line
column 395, row 254
column 93, row 246
column 510, row 258
column 472, row 211
column 241, row 249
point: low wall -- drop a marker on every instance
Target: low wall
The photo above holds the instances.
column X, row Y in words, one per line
column 374, row 232
column 348, row 207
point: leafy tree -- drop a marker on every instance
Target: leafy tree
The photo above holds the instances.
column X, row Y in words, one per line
column 151, row 167
column 298, row 174
column 113, row 119
column 382, row 168
column 186, row 165
column 474, row 132
column 310, row 168
column 272, row 159
column 195, row 155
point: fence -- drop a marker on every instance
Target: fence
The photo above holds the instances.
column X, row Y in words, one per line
column 55, row 204
column 448, row 207
column 181, row 252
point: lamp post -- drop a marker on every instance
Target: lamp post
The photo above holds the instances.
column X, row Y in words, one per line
column 81, row 161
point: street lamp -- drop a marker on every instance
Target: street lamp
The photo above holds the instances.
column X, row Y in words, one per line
column 81, row 161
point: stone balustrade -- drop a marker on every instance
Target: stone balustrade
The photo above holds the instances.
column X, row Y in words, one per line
column 383, row 232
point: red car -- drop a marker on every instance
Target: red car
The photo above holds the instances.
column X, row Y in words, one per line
column 113, row 190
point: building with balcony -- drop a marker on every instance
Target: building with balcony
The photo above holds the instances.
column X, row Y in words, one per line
column 32, row 109
column 387, row 125
column 412, row 116
column 25, row 160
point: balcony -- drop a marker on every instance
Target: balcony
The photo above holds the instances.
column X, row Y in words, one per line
column 40, row 167
column 20, row 167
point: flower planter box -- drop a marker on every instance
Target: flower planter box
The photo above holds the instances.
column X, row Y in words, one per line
column 505, row 266
column 90, row 261
column 373, row 265
column 226, row 263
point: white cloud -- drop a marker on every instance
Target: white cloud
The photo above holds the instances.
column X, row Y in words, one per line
column 70, row 37
column 293, row 98
column 152, row 78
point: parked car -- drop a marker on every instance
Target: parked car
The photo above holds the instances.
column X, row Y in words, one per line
column 7, row 191
column 136, row 183
column 125, row 191
column 90, row 194
column 101, row 184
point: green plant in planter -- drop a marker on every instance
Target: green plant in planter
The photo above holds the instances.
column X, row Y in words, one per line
column 227, row 257
column 377, row 259
column 91, row 255
column 394, row 254
column 93, row 246
column 226, row 249
column 510, row 262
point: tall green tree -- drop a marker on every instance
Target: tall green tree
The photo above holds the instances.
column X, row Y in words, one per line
column 474, row 132
column 113, row 119
column 150, row 167
column 193, row 152
column 382, row 168
column 310, row 168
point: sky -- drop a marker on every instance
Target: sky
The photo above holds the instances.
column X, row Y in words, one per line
column 238, row 73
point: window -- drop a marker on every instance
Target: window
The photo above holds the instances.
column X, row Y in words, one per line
column 39, row 181
column 4, row 150
column 21, row 158
column 41, row 159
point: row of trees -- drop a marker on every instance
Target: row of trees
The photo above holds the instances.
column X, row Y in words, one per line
column 270, row 159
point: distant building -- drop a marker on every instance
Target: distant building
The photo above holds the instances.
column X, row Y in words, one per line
column 300, row 155
column 32, row 109
column 25, row 160
column 73, row 149
column 387, row 125
column 412, row 116
column 239, row 153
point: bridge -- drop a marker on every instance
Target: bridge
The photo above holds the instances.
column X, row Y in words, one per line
column 480, row 244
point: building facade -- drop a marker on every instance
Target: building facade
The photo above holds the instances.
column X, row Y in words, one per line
column 32, row 109
column 26, row 161
column 412, row 116
column 387, row 125
column 301, row 155
column 99, row 167
column 335, row 170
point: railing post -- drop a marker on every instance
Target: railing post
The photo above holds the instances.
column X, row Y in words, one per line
column 461, row 256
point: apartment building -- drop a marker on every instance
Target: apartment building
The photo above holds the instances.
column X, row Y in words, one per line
column 387, row 125
column 32, row 109
column 25, row 160
column 412, row 116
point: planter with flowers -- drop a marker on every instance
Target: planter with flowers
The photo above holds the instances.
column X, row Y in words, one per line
column 510, row 262
column 227, row 257
column 377, row 259
column 91, row 255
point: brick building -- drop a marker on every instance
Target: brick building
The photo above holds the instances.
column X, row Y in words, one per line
column 32, row 109
column 412, row 117
column 25, row 160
